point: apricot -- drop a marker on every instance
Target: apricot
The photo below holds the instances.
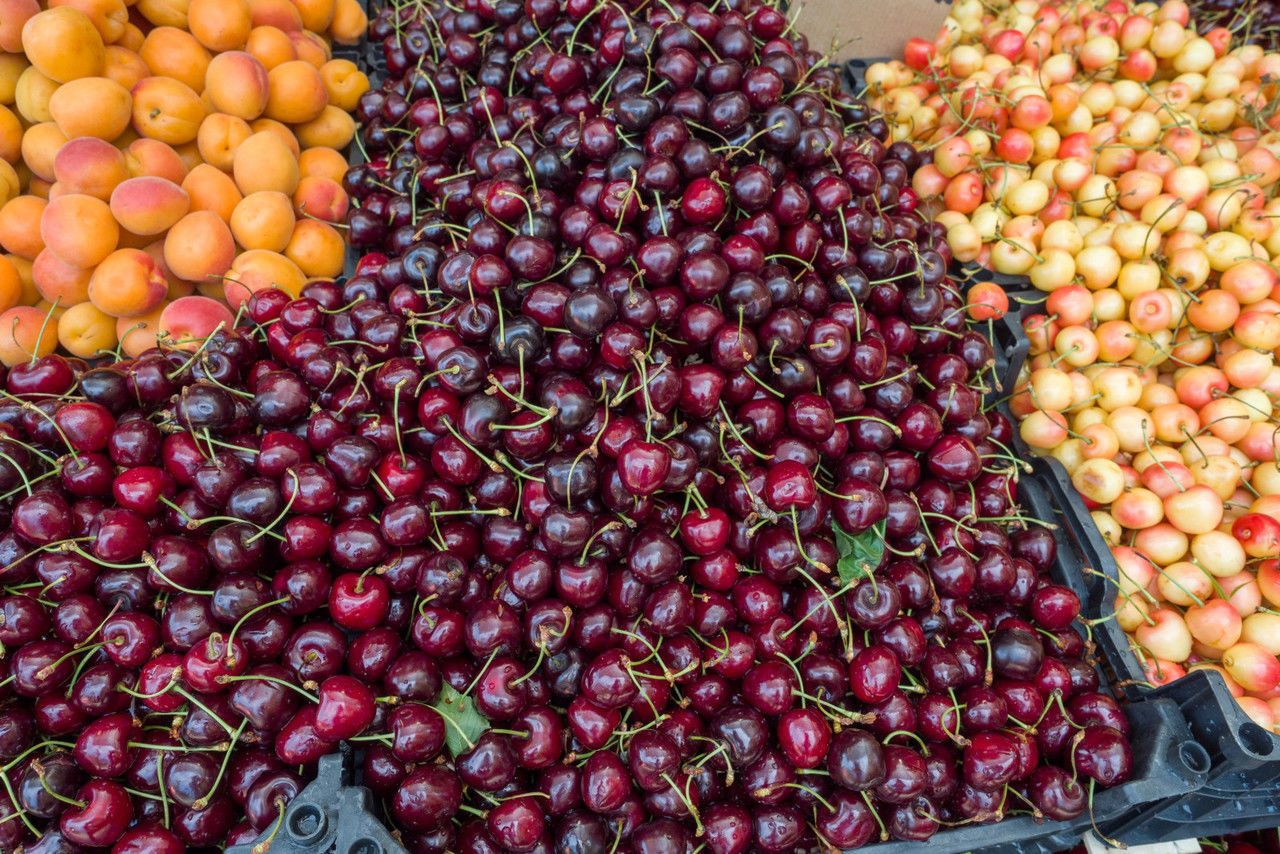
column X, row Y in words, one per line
column 86, row 331
column 263, row 220
column 20, row 226
column 270, row 46
column 344, row 83
column 149, row 205
column 125, row 66
column 322, row 163
column 155, row 158
column 32, row 94
column 349, row 22
column 10, row 284
column 296, row 93
column 11, row 67
column 199, row 247
column 131, row 38
column 25, row 333
column 263, row 162
column 108, row 17
column 59, row 282
column 187, row 322
column 63, row 44
column 281, row 130
column 139, row 333
column 175, row 288
column 127, row 283
column 317, row 248
column 211, row 189
column 311, row 48
column 30, row 296
column 171, row 52
column 40, row 145
column 10, row 185
column 167, row 110
column 91, row 106
column 164, row 13
column 79, row 229
column 10, row 136
column 257, row 270
column 322, row 198
column 220, row 24
column 237, row 84
column 14, row 15
column 91, row 166
column 275, row 13
column 220, row 135
column 333, row 128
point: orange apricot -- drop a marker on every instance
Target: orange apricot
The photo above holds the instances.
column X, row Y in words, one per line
column 59, row 282
column 349, row 22
column 171, row 52
column 167, row 110
column 63, row 44
column 322, row 163
column 188, row 321
column 10, row 284
column 322, row 198
column 14, row 14
column 281, row 130
column 344, row 83
column 275, row 13
column 263, row 220
column 91, row 106
column 131, row 38
column 91, row 166
column 10, row 184
column 11, row 67
column 317, row 15
column 164, row 13
column 79, row 229
column 26, row 333
column 127, row 283
column 155, row 158
column 297, row 92
column 220, row 135
column 125, row 66
column 270, row 46
column 10, row 136
column 86, row 331
column 257, row 270
column 139, row 333
column 317, row 248
column 311, row 48
column 333, row 128
column 32, row 93
column 211, row 189
column 236, row 83
column 263, row 162
column 40, row 144
column 149, row 205
column 220, row 24
column 175, row 288
column 20, row 226
column 109, row 17
column 199, row 247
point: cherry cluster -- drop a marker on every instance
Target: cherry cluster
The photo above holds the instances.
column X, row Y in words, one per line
column 1254, row 21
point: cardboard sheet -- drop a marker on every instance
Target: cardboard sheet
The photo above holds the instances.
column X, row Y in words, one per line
column 868, row 29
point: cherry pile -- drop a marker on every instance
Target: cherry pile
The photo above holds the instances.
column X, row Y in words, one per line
column 737, row 561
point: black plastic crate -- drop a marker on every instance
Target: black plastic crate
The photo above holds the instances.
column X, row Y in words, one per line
column 1242, row 786
column 856, row 71
column 329, row 815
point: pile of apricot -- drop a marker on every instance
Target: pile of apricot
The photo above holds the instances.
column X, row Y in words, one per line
column 161, row 161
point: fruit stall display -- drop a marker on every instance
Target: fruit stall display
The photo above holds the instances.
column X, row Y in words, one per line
column 547, row 425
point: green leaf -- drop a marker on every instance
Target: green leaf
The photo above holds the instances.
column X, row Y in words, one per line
column 463, row 724
column 859, row 553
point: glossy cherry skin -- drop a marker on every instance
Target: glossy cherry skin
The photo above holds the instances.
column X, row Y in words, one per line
column 107, row 811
